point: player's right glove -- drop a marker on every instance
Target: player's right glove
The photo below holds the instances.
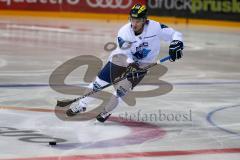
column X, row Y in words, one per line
column 175, row 50
column 134, row 72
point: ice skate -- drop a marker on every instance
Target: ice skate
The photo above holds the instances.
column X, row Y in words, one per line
column 75, row 108
column 103, row 116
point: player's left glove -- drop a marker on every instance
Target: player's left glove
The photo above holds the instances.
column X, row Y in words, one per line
column 175, row 50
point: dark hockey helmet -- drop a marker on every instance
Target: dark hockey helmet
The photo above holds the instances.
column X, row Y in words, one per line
column 138, row 11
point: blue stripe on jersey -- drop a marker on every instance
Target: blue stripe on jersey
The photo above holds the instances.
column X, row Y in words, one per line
column 150, row 36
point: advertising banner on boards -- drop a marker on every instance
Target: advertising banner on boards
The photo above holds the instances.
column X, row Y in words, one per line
column 228, row 10
column 93, row 6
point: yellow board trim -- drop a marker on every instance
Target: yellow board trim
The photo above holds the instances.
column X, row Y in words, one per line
column 116, row 17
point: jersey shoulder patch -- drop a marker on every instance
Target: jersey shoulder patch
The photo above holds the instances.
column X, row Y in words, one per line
column 120, row 42
column 163, row 26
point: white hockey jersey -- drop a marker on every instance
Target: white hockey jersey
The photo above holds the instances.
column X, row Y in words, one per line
column 144, row 48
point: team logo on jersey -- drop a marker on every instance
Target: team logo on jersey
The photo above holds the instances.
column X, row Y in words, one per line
column 109, row 3
column 141, row 46
column 141, row 51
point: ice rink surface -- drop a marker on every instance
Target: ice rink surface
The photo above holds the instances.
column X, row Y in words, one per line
column 198, row 119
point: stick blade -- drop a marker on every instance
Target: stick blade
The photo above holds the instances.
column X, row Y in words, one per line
column 64, row 103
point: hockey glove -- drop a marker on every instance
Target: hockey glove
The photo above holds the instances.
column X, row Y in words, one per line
column 134, row 72
column 175, row 50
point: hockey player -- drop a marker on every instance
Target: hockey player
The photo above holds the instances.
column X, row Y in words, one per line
column 138, row 44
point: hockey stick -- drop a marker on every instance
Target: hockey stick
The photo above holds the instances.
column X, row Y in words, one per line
column 64, row 103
